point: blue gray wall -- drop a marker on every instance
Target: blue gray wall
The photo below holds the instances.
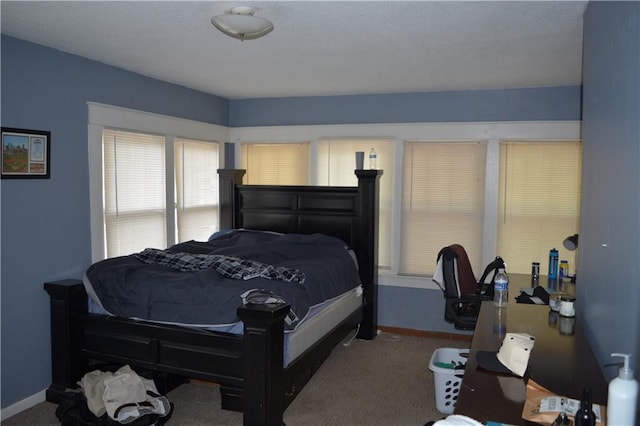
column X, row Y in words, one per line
column 45, row 223
column 528, row 104
column 609, row 252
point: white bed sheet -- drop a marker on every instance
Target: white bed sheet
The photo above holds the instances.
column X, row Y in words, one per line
column 297, row 341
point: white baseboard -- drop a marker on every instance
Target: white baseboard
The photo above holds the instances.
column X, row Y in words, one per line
column 20, row 406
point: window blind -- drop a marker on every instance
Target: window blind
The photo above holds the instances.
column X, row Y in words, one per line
column 276, row 163
column 539, row 201
column 196, row 165
column 134, row 191
column 336, row 165
column 442, row 202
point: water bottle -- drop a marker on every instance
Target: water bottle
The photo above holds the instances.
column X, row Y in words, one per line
column 373, row 159
column 553, row 264
column 501, row 288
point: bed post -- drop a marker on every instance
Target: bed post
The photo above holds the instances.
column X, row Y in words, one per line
column 263, row 364
column 67, row 297
column 367, row 238
column 228, row 179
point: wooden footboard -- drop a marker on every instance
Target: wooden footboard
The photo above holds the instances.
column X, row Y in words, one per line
column 249, row 368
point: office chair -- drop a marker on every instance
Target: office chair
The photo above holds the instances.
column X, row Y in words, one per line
column 462, row 292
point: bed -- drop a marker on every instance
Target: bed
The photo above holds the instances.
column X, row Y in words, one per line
column 252, row 368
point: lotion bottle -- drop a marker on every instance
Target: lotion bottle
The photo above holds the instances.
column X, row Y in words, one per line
column 623, row 394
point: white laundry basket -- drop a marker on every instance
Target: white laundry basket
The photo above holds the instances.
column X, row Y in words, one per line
column 447, row 380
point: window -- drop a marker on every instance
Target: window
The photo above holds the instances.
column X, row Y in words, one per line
column 153, row 180
column 196, row 165
column 336, row 165
column 442, row 202
column 276, row 163
column 539, row 201
column 443, row 181
column 289, row 164
column 134, row 192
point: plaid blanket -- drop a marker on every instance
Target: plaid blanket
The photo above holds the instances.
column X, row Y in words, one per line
column 228, row 266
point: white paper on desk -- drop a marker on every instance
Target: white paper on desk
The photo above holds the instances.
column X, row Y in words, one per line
column 568, row 406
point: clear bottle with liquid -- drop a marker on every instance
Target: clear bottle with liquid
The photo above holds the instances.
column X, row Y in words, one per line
column 373, row 159
column 501, row 288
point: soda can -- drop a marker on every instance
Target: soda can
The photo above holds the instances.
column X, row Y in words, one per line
column 564, row 269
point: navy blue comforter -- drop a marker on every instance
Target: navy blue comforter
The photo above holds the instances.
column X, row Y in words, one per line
column 129, row 287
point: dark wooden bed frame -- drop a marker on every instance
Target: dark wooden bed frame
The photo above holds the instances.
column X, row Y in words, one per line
column 249, row 368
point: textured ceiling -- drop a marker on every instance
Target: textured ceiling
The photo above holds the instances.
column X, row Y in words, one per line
column 319, row 47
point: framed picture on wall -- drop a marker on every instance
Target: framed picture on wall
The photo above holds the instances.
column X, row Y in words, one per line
column 25, row 154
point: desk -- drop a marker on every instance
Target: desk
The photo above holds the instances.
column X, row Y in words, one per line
column 564, row 364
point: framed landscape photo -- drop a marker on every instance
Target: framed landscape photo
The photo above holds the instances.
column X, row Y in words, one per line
column 25, row 154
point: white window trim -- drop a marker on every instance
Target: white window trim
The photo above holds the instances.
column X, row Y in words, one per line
column 107, row 116
column 491, row 132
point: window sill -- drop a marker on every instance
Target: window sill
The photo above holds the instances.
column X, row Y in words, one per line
column 392, row 280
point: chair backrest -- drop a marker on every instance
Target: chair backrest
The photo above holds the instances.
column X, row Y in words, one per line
column 457, row 272
column 457, row 281
column 462, row 292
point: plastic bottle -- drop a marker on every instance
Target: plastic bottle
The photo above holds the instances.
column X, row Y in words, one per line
column 623, row 394
column 501, row 288
column 373, row 159
column 585, row 415
column 553, row 264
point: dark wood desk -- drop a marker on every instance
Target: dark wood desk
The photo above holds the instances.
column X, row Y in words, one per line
column 562, row 362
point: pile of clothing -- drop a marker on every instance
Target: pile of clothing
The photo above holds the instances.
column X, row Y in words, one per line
column 114, row 398
column 538, row 296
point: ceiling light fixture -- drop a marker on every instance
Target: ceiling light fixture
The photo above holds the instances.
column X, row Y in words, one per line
column 241, row 24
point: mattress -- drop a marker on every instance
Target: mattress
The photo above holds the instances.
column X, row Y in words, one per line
column 321, row 319
column 325, row 319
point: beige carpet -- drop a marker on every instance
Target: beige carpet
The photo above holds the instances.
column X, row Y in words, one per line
column 381, row 382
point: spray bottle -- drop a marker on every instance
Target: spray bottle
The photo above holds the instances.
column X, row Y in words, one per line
column 623, row 393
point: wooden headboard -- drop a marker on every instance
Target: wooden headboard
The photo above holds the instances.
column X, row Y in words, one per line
column 349, row 213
